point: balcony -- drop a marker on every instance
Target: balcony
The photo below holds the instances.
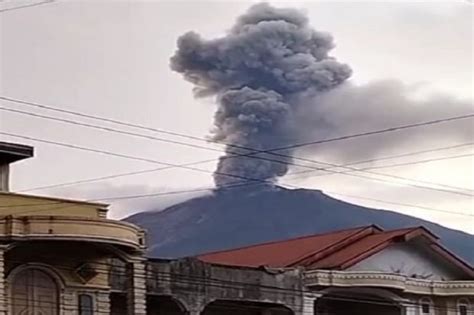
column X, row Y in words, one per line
column 332, row 278
column 64, row 228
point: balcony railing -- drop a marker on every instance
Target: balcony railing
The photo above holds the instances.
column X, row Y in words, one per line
column 71, row 228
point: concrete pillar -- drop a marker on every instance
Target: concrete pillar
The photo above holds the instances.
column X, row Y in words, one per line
column 410, row 309
column 103, row 303
column 137, row 292
column 3, row 295
column 308, row 304
column 4, row 177
column 69, row 301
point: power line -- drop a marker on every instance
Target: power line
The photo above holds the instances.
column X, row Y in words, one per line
column 205, row 189
column 339, row 138
column 416, row 162
column 252, row 155
column 143, row 171
column 153, row 161
column 108, row 129
column 26, row 6
column 125, row 156
column 141, row 159
column 455, row 146
column 400, row 204
column 422, row 161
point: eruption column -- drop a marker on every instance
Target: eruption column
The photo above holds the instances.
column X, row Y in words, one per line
column 270, row 58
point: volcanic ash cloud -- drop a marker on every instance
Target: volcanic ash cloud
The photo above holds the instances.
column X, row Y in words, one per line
column 268, row 59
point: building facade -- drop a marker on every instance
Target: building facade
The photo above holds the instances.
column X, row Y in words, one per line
column 64, row 257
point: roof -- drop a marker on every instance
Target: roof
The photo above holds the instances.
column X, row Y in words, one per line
column 12, row 152
column 336, row 250
column 284, row 253
column 54, row 200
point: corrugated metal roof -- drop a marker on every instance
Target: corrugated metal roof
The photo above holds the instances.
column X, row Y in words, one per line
column 281, row 253
column 335, row 250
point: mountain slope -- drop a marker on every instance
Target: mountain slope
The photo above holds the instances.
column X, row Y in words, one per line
column 238, row 217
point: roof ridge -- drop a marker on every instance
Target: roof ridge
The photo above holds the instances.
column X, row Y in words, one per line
column 334, row 245
column 289, row 240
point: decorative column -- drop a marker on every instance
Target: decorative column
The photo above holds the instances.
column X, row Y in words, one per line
column 137, row 292
column 3, row 295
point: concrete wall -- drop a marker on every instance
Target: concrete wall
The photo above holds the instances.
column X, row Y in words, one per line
column 196, row 284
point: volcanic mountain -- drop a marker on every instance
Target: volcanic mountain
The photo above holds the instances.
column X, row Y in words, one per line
column 236, row 217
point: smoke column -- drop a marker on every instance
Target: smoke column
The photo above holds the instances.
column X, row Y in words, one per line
column 270, row 58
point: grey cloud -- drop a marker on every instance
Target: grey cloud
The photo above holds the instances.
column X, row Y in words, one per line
column 377, row 105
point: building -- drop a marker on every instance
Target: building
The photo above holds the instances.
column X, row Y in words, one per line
column 368, row 271
column 55, row 254
column 64, row 257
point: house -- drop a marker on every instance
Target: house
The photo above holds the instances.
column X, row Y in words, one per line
column 368, row 270
column 65, row 257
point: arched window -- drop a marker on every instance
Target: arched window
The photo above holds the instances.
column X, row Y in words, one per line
column 463, row 307
column 86, row 304
column 426, row 306
column 34, row 291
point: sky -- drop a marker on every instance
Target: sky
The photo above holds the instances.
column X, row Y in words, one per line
column 411, row 61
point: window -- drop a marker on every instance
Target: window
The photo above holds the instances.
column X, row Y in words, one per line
column 463, row 307
column 86, row 305
column 426, row 306
column 34, row 292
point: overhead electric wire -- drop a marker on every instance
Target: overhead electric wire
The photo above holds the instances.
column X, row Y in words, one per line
column 100, row 151
column 253, row 155
column 143, row 171
column 390, row 157
column 153, row 161
column 26, row 6
column 147, row 160
column 205, row 189
column 349, row 136
column 421, row 161
column 385, row 166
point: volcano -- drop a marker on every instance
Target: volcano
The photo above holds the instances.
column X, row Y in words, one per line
column 249, row 215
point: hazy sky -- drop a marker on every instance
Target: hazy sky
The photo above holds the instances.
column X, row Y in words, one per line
column 111, row 58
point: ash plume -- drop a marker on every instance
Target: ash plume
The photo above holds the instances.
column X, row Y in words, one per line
column 257, row 72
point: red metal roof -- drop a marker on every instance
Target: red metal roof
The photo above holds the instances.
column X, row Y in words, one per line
column 335, row 250
column 359, row 250
column 282, row 253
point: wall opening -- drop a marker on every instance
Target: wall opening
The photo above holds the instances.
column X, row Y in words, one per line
column 355, row 304
column 118, row 303
column 229, row 307
column 164, row 305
